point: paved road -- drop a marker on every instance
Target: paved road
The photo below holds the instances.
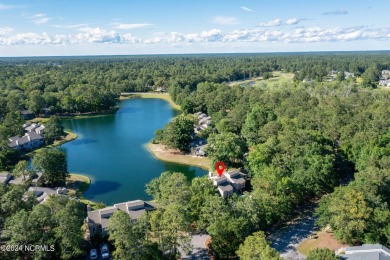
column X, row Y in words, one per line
column 287, row 238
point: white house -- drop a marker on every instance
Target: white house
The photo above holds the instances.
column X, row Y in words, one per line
column 384, row 82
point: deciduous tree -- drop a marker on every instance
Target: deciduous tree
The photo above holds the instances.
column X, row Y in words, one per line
column 53, row 164
column 255, row 247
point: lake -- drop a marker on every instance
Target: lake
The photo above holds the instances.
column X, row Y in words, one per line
column 111, row 150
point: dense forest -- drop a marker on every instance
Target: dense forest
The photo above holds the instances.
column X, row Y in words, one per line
column 305, row 140
column 299, row 142
column 92, row 84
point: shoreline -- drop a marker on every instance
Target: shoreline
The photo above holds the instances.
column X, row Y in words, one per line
column 163, row 154
column 68, row 138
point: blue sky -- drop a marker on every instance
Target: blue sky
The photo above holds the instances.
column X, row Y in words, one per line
column 103, row 27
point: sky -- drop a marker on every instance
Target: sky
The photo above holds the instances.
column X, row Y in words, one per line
column 124, row 27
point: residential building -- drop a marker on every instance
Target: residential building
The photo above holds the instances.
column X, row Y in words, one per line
column 223, row 186
column 203, row 121
column 98, row 220
column 43, row 193
column 5, row 177
column 236, row 178
column 384, row 82
column 31, row 127
column 34, row 127
column 348, row 74
column 367, row 252
column 27, row 114
column 39, row 130
column 229, row 182
column 36, row 179
column 30, row 141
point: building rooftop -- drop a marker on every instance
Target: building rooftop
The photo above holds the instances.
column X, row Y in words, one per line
column 31, row 127
column 26, row 112
column 225, row 187
column 367, row 252
column 134, row 208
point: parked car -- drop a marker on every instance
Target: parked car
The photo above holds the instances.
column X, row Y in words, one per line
column 104, row 251
column 93, row 254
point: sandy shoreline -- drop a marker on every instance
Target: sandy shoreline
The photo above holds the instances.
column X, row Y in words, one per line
column 172, row 155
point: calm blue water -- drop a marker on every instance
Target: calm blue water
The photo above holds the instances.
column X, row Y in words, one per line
column 111, row 150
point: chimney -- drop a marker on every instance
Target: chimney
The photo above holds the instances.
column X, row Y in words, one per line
column 29, row 138
column 17, row 142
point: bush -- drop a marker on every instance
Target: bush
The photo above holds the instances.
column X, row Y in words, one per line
column 322, row 254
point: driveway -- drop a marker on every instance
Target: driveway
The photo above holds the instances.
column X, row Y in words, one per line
column 199, row 250
column 287, row 238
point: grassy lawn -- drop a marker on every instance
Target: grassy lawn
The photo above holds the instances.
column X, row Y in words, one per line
column 279, row 77
column 323, row 240
column 171, row 155
column 39, row 120
column 77, row 184
column 94, row 205
column 359, row 80
column 164, row 96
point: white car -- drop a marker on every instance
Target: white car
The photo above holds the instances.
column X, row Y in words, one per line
column 93, row 254
column 105, row 252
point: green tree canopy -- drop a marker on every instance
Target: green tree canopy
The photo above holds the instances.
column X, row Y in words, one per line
column 170, row 187
column 178, row 133
column 322, row 254
column 255, row 247
column 53, row 164
column 226, row 147
column 21, row 169
column 53, row 129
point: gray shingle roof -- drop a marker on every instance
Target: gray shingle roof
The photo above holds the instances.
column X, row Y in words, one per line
column 28, row 137
column 225, row 187
column 367, row 252
column 134, row 208
column 367, row 256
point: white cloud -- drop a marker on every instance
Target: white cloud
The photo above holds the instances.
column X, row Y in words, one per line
column 39, row 18
column 129, row 26
column 273, row 23
column 212, row 35
column 89, row 35
column 292, row 21
column 5, row 30
column 224, row 20
column 69, row 26
column 8, row 7
column 336, row 12
column 247, row 9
